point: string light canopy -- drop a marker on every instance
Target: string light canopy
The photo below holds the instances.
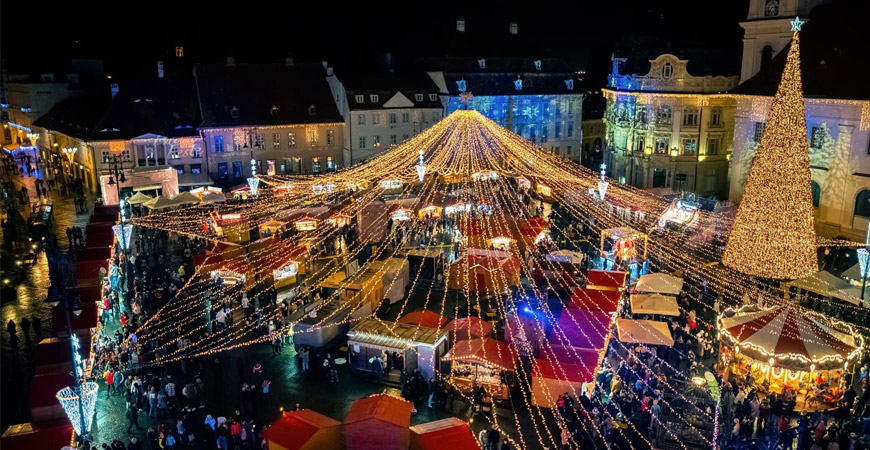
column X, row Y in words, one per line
column 773, row 234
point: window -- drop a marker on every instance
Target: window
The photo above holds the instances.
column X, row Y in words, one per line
column 405, row 116
column 663, row 115
column 662, row 144
column 759, row 131
column 330, row 136
column 713, row 144
column 312, row 110
column 816, row 137
column 362, row 142
column 222, row 169
column 276, row 140
column 556, row 150
column 568, row 151
column 418, row 97
column 373, row 98
column 690, row 116
column 376, row 141
column 329, row 163
column 638, row 144
column 105, row 155
column 234, row 112
column 433, row 97
column 405, row 138
column 570, row 130
column 179, row 169
column 817, row 193
column 862, row 204
column 393, row 139
column 376, row 118
column 196, row 168
column 766, row 56
column 270, row 167
column 218, row 144
column 667, row 70
column 392, row 118
column 689, row 145
column 259, row 141
column 315, row 164
column 716, row 117
column 360, row 98
column 312, row 136
column 291, row 140
column 436, row 116
column 640, row 114
column 126, row 155
column 361, row 119
column 237, row 169
column 570, row 108
column 173, row 153
column 196, row 153
column 558, row 131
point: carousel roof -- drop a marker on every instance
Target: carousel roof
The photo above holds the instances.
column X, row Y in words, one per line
column 794, row 339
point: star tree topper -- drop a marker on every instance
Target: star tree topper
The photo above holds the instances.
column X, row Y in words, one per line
column 797, row 23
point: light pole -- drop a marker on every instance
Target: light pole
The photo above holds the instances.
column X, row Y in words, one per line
column 122, row 231
column 70, row 153
column 863, row 257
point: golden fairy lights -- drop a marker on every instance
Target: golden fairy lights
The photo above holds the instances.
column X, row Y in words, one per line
column 773, row 234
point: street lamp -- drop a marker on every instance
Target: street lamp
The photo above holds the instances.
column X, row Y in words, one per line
column 863, row 259
column 79, row 400
column 122, row 231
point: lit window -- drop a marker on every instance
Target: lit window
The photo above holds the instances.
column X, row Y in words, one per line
column 312, row 137
column 218, row 144
column 173, row 153
column 315, row 164
column 667, row 70
column 259, row 141
column 196, row 152
column 329, row 163
column 330, row 135
column 690, row 144
column 291, row 140
column 276, row 140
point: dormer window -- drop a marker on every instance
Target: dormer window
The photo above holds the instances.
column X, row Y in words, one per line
column 418, row 97
column 312, row 110
column 234, row 112
column 518, row 84
column 373, row 98
column 482, row 63
column 569, row 84
column 667, row 70
column 273, row 111
column 537, row 64
column 433, row 97
column 360, row 98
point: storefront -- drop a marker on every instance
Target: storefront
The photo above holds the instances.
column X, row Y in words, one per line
column 485, row 362
column 421, row 347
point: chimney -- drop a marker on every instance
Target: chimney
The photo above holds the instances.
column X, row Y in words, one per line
column 514, row 28
column 329, row 71
column 159, row 69
column 325, row 64
column 460, row 25
column 288, row 60
column 114, row 88
column 231, row 61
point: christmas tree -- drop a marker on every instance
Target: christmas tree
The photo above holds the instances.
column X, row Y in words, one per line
column 773, row 234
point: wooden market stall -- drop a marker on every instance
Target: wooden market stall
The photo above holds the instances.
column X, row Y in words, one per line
column 486, row 362
column 362, row 288
column 583, row 328
column 397, row 275
column 608, row 280
column 424, row 263
column 378, row 422
column 421, row 347
column 303, row 430
column 450, row 433
column 287, row 263
column 272, row 227
column 553, row 378
column 595, row 299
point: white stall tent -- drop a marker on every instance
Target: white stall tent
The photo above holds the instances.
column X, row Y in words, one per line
column 633, row 331
column 665, row 305
column 661, row 283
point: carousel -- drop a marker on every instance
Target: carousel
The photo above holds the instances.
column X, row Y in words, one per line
column 622, row 245
column 781, row 350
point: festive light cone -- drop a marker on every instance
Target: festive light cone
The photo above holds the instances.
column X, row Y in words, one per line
column 773, row 234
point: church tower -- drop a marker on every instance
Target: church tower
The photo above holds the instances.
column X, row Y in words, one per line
column 766, row 30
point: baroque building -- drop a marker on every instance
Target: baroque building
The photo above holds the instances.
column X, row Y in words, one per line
column 667, row 128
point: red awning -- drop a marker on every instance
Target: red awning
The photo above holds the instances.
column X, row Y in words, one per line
column 424, row 318
column 583, row 328
column 485, row 351
column 572, row 355
column 87, row 273
column 94, row 254
column 577, row 373
column 606, row 279
column 450, row 433
column 51, row 435
column 595, row 299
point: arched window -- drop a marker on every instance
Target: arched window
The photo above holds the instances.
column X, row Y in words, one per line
column 597, row 144
column 766, row 55
column 667, row 70
column 817, row 194
column 862, row 204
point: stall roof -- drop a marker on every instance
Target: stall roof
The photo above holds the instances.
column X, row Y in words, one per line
column 573, row 355
column 450, row 433
column 424, row 318
column 584, row 328
column 633, row 331
column 578, row 373
column 822, row 283
column 606, row 279
column 474, row 325
column 661, row 283
column 595, row 299
column 379, row 332
column 483, row 350
column 294, row 429
column 44, row 387
column 382, row 407
column 654, row 304
column 52, row 435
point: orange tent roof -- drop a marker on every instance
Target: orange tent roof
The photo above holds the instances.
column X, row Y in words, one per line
column 383, row 407
column 485, row 350
column 474, row 325
column 293, row 429
column 424, row 318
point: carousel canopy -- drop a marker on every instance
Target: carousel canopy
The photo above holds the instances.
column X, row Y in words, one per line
column 424, row 318
column 661, row 283
column 483, row 351
column 795, row 340
column 650, row 332
column 654, row 304
column 139, row 198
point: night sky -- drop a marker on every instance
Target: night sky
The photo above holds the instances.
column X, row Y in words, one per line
column 353, row 34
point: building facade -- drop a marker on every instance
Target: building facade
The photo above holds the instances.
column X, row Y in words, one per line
column 669, row 129
column 283, row 117
column 534, row 98
column 384, row 110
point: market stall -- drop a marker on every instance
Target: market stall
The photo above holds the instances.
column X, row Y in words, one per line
column 396, row 276
column 303, row 430
column 654, row 304
column 424, row 318
column 424, row 263
column 472, row 233
column 391, row 186
column 364, row 288
column 470, row 327
column 486, row 362
column 306, row 223
column 271, row 228
column 378, row 422
column 550, row 379
column 606, row 280
column 560, row 276
column 782, row 348
column 420, row 347
column 583, row 328
column 486, row 274
column 450, row 433
column 661, row 283
column 595, row 299
column 287, row 264
column 432, row 211
column 638, row 331
column 230, row 226
column 233, row 272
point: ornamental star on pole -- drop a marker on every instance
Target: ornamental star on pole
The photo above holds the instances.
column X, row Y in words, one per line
column 797, row 23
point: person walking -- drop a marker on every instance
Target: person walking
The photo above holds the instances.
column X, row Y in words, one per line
column 303, row 355
column 133, row 418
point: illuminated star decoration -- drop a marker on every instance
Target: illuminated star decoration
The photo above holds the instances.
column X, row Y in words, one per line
column 465, row 98
column 797, row 23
